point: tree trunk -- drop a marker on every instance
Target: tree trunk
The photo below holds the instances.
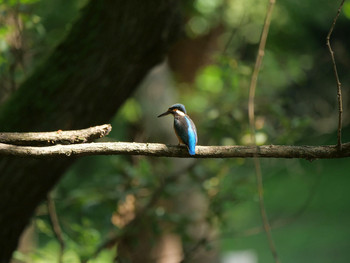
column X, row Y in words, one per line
column 109, row 50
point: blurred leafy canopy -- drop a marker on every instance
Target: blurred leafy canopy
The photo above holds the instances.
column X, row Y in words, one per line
column 295, row 103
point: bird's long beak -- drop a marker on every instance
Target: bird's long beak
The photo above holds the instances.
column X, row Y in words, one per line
column 165, row 113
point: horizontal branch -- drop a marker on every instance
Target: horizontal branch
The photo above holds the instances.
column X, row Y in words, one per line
column 56, row 137
column 162, row 150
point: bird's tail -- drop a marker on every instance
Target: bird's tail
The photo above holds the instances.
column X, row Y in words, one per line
column 192, row 150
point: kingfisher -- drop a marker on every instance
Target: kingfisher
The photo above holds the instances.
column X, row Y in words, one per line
column 184, row 127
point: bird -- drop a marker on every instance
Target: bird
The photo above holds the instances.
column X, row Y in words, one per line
column 184, row 127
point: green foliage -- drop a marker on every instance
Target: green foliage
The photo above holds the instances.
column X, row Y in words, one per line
column 347, row 9
column 100, row 196
column 29, row 29
column 131, row 111
column 307, row 202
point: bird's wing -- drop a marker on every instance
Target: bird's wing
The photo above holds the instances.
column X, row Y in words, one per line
column 186, row 130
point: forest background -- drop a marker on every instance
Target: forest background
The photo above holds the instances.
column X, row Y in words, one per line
column 190, row 208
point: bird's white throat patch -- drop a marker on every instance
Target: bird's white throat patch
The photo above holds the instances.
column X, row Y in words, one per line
column 180, row 112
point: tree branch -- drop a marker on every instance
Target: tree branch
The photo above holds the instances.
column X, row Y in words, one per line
column 162, row 150
column 339, row 93
column 55, row 225
column 56, row 137
column 251, row 113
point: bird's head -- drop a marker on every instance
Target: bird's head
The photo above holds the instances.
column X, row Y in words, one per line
column 175, row 109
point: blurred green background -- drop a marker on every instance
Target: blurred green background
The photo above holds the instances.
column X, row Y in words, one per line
column 211, row 206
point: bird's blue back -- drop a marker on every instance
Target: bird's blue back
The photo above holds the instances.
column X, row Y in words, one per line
column 186, row 130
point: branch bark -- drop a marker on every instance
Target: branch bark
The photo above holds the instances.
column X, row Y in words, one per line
column 56, row 137
column 161, row 150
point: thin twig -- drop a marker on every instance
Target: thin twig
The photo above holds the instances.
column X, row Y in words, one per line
column 55, row 225
column 251, row 113
column 339, row 93
column 233, row 32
